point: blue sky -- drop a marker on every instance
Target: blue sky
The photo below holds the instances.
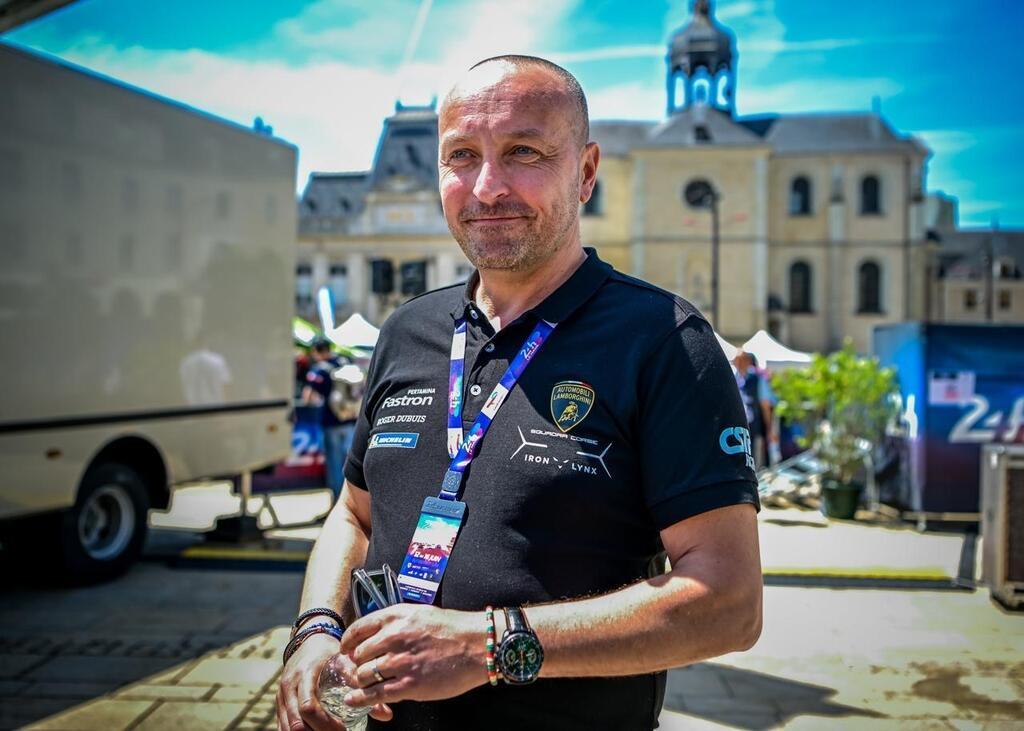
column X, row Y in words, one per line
column 325, row 73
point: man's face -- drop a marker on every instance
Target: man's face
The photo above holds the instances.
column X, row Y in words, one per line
column 512, row 167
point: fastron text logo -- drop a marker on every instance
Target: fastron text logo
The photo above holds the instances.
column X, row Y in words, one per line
column 393, row 401
column 736, row 440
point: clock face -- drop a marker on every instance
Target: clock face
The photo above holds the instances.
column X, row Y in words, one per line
column 521, row 657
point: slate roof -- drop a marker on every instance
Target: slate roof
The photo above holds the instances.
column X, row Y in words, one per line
column 817, row 133
column 962, row 253
column 618, row 137
column 700, row 125
column 406, row 159
column 407, row 149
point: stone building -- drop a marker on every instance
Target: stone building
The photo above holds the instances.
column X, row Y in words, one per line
column 820, row 217
column 978, row 276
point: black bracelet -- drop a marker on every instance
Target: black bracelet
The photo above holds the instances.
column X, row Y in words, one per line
column 314, row 629
column 318, row 612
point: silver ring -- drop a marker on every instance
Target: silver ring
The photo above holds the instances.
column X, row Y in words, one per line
column 376, row 674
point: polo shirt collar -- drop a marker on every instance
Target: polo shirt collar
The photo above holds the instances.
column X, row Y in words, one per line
column 565, row 300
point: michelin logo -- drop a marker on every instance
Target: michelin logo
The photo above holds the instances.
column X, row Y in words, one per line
column 736, row 440
column 394, row 439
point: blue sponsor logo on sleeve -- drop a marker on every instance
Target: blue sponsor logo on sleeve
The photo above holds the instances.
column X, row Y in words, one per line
column 402, row 440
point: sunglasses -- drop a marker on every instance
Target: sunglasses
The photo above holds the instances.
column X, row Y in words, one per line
column 373, row 590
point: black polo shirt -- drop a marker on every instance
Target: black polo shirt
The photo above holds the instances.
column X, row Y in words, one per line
column 627, row 421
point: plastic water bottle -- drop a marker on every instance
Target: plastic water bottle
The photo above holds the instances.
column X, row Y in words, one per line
column 331, row 691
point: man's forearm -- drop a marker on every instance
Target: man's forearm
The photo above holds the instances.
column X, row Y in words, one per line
column 664, row 622
column 340, row 548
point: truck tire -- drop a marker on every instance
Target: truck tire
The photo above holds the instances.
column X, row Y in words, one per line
column 103, row 534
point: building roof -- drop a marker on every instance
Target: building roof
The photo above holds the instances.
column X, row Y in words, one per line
column 962, row 253
column 816, row 133
column 700, row 125
column 406, row 160
column 618, row 137
column 407, row 152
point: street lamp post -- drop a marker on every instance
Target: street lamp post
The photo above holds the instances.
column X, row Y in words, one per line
column 699, row 193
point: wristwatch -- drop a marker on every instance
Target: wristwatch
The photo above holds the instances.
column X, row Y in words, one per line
column 520, row 654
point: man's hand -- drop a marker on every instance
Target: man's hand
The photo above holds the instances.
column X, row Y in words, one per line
column 423, row 652
column 297, row 706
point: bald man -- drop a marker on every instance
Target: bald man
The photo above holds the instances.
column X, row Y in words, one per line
column 528, row 443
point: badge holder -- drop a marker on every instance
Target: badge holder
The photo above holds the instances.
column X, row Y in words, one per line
column 431, row 547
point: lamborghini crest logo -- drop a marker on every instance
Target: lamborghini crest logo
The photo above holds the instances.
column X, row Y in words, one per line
column 571, row 401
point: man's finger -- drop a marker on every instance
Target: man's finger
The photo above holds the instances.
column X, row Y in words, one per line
column 382, row 712
column 375, row 646
column 309, row 706
column 292, row 718
column 390, row 691
column 360, row 630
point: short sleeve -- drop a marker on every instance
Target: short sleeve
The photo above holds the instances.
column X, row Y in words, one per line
column 357, row 450
column 693, row 438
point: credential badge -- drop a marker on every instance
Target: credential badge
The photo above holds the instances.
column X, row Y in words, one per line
column 571, row 401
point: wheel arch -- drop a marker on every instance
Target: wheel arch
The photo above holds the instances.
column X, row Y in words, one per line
column 144, row 457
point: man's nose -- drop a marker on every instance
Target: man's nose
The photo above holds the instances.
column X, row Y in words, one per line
column 490, row 183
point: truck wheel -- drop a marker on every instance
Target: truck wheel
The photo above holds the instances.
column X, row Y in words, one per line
column 102, row 535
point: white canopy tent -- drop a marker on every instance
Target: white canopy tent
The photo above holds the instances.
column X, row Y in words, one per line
column 772, row 354
column 728, row 348
column 355, row 332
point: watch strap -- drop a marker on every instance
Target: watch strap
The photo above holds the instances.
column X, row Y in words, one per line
column 515, row 620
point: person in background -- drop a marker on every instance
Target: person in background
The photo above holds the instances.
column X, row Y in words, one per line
column 337, row 432
column 757, row 402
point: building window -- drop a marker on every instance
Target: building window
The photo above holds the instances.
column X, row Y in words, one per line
column 594, row 205
column 463, row 272
column 800, row 287
column 870, row 196
column 303, row 286
column 970, row 300
column 339, row 284
column 1005, row 299
column 869, row 288
column 800, row 197
column 701, row 134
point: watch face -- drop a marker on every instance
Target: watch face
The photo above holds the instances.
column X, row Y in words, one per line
column 520, row 657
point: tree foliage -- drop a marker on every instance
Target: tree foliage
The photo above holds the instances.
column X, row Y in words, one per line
column 845, row 401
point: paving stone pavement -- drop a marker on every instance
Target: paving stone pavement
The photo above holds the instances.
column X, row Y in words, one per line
column 167, row 648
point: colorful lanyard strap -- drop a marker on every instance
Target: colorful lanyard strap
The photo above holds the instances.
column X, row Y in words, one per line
column 462, row 450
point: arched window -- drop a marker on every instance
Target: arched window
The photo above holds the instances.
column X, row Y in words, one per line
column 800, row 197
column 869, row 288
column 800, row 287
column 870, row 195
column 594, row 205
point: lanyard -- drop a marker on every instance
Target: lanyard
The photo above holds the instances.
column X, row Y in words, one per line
column 462, row 451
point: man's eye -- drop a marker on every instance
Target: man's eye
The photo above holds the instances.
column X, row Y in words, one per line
column 459, row 155
column 523, row 150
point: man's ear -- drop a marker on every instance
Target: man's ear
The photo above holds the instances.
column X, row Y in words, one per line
column 590, row 157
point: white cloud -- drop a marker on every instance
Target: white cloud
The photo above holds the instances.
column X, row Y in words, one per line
column 331, row 109
column 632, row 100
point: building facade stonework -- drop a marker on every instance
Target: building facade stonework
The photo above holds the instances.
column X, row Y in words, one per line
column 821, row 217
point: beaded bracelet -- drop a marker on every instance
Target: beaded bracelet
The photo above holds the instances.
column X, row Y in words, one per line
column 313, row 629
column 492, row 671
column 317, row 612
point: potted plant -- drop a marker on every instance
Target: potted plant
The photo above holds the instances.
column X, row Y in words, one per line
column 845, row 402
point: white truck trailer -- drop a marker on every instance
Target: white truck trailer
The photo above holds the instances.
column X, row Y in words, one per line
column 146, row 294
